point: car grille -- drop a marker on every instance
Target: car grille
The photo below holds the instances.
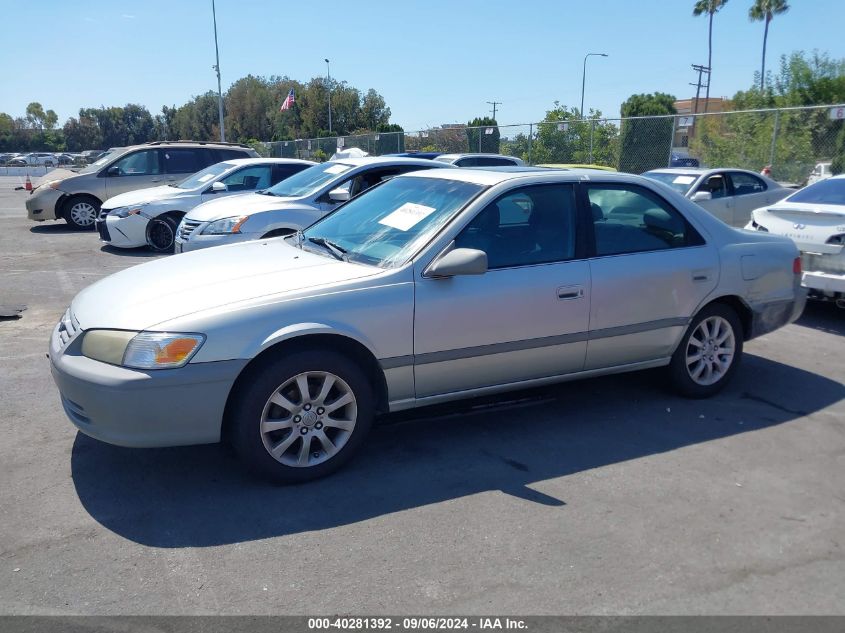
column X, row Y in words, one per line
column 68, row 328
column 103, row 230
column 186, row 228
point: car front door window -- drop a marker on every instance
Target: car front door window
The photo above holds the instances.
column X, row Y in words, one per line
column 143, row 163
column 248, row 179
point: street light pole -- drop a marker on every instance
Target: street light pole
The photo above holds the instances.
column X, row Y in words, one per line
column 217, row 68
column 584, row 79
column 329, row 85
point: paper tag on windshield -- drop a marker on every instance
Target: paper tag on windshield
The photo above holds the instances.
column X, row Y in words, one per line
column 337, row 169
column 407, row 216
column 684, row 180
column 207, row 177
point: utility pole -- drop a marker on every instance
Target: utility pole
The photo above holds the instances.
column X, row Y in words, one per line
column 698, row 85
column 329, row 86
column 494, row 104
column 217, row 68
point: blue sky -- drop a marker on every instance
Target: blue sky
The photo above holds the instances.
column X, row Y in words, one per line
column 434, row 62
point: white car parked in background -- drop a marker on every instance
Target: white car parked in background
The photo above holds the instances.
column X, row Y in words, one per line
column 729, row 194
column 820, row 172
column 480, row 160
column 149, row 217
column 293, row 204
column 814, row 217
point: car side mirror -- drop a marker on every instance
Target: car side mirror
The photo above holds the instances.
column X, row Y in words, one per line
column 113, row 171
column 698, row 196
column 339, row 195
column 460, row 261
column 217, row 187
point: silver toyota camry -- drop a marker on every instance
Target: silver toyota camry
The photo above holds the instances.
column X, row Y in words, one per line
column 429, row 287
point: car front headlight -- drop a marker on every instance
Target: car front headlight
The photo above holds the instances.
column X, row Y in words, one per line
column 125, row 212
column 225, row 226
column 141, row 350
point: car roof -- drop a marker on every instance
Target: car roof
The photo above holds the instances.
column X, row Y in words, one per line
column 490, row 176
column 474, row 154
column 385, row 160
column 264, row 161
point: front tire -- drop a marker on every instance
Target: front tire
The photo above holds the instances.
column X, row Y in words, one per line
column 301, row 416
column 81, row 212
column 709, row 352
column 161, row 234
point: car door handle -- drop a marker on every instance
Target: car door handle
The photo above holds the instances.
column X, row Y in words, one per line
column 156, row 180
column 567, row 293
column 700, row 275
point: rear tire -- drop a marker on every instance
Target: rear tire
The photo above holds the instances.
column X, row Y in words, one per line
column 301, row 416
column 81, row 212
column 709, row 352
column 161, row 234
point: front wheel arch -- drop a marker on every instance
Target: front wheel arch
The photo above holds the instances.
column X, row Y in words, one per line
column 344, row 345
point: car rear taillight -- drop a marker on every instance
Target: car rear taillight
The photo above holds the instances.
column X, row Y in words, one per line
column 796, row 266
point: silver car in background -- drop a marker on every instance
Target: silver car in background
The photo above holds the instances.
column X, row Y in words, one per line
column 729, row 194
column 432, row 286
column 290, row 205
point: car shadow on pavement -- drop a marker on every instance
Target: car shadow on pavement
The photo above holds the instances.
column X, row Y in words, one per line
column 56, row 229
column 141, row 251
column 200, row 496
column 823, row 316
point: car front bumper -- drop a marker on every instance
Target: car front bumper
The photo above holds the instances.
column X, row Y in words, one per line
column 43, row 204
column 128, row 407
column 129, row 232
column 197, row 241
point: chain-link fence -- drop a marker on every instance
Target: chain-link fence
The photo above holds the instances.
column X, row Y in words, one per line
column 788, row 140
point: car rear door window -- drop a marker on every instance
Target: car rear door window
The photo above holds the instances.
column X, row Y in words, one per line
column 631, row 219
column 491, row 161
column 745, row 184
column 181, row 160
column 280, row 172
column 531, row 225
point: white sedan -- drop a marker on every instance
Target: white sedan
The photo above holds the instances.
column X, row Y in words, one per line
column 729, row 194
column 814, row 218
column 149, row 217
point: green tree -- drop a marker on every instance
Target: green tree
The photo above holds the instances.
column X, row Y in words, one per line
column 838, row 164
column 565, row 136
column 709, row 7
column 645, row 143
column 483, row 135
column 764, row 11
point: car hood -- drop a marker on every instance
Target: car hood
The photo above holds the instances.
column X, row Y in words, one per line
column 144, row 196
column 809, row 225
column 141, row 297
column 57, row 174
column 242, row 204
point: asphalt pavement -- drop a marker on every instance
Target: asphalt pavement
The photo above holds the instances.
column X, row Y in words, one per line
column 604, row 496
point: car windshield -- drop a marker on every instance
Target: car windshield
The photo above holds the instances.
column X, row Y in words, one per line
column 830, row 191
column 308, row 180
column 386, row 225
column 204, row 177
column 102, row 160
column 679, row 182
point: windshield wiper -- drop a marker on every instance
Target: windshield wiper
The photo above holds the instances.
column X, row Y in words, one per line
column 338, row 251
column 265, row 192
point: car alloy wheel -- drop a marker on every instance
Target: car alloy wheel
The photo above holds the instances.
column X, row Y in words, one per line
column 161, row 234
column 308, row 419
column 710, row 350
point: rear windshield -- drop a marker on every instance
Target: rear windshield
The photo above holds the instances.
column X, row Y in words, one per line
column 830, row 191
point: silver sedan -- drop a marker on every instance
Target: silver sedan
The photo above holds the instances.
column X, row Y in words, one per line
column 729, row 194
column 430, row 287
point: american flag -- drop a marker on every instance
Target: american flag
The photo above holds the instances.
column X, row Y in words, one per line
column 288, row 102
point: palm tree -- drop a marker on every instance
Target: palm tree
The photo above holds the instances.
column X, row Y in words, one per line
column 766, row 10
column 710, row 7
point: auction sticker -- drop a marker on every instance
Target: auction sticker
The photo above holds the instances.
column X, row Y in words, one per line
column 407, row 216
column 338, row 169
column 684, row 180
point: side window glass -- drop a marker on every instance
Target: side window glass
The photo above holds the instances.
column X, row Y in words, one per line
column 249, row 178
column 467, row 162
column 489, row 161
column 280, row 172
column 531, row 225
column 633, row 220
column 144, row 163
column 180, row 161
column 745, row 184
column 716, row 186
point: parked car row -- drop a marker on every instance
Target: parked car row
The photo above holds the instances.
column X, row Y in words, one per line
column 47, row 159
column 406, row 282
